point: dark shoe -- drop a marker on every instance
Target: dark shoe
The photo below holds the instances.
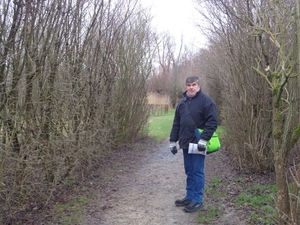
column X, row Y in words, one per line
column 193, row 207
column 183, row 202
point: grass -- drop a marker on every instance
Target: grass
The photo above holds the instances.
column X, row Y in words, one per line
column 160, row 125
column 210, row 214
column 259, row 200
column 69, row 212
column 212, row 189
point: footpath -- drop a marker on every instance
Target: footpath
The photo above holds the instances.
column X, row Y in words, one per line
column 143, row 189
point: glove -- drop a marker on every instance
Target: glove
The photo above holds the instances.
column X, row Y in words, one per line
column 173, row 148
column 202, row 145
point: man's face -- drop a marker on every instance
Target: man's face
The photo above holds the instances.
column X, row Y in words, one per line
column 192, row 89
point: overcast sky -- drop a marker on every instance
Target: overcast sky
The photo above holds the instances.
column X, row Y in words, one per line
column 178, row 17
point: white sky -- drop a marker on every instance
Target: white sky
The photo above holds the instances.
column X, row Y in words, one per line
column 179, row 18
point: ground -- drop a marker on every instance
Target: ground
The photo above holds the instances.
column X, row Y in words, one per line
column 139, row 184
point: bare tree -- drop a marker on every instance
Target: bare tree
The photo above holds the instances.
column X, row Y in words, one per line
column 283, row 80
column 163, row 63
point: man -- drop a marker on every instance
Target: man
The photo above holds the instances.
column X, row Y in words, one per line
column 203, row 112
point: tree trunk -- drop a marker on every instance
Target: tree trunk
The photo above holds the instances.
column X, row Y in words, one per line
column 284, row 210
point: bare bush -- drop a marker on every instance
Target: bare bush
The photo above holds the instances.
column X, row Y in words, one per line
column 259, row 65
column 246, row 100
column 72, row 86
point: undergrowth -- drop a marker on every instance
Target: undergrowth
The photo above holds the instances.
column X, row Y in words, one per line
column 256, row 200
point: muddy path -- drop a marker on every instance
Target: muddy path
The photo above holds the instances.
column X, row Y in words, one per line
column 144, row 188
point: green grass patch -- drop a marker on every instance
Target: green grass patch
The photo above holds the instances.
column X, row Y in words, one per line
column 208, row 215
column 212, row 188
column 259, row 200
column 70, row 212
column 160, row 125
column 239, row 180
column 216, row 181
column 257, row 196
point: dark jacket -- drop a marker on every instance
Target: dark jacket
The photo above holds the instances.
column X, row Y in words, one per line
column 204, row 113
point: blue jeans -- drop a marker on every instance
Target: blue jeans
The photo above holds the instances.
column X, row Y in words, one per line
column 194, row 170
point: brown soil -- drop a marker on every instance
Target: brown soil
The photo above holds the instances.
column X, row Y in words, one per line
column 139, row 184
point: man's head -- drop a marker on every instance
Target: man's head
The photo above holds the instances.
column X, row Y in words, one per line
column 192, row 86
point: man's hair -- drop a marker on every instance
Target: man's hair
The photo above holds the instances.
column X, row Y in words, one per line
column 192, row 79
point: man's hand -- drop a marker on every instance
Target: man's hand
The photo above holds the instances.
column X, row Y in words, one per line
column 202, row 145
column 173, row 148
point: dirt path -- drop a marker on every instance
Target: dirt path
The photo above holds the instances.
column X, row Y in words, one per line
column 144, row 193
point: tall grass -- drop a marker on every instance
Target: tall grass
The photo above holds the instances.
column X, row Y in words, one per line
column 158, row 99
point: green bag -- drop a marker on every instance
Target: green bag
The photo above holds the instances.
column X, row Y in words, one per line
column 213, row 144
